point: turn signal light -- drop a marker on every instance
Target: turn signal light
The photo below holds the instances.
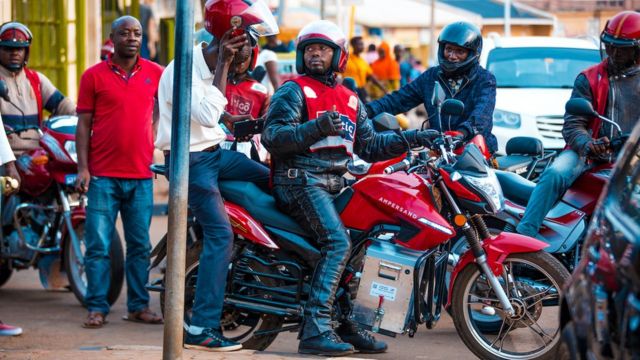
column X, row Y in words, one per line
column 460, row 220
column 40, row 160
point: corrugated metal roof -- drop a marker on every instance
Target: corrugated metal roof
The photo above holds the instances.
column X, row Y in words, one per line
column 489, row 9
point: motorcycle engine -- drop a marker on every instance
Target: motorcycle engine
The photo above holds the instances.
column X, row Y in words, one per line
column 19, row 250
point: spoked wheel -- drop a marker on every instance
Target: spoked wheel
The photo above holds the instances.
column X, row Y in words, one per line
column 75, row 268
column 533, row 282
column 237, row 325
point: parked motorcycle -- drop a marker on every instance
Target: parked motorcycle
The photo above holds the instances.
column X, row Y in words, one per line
column 43, row 224
column 400, row 223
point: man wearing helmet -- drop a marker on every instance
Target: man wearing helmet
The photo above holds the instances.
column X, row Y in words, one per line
column 29, row 91
column 461, row 77
column 613, row 87
column 312, row 128
column 234, row 24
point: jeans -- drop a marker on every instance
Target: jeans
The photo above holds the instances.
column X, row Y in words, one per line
column 554, row 182
column 312, row 207
column 206, row 203
column 134, row 199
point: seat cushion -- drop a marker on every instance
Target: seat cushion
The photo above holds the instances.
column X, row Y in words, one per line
column 518, row 164
column 259, row 204
column 524, row 145
column 515, row 187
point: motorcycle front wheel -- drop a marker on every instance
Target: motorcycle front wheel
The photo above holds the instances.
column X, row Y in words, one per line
column 76, row 269
column 533, row 283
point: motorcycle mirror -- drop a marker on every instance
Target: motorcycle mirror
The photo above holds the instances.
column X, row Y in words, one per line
column 438, row 95
column 385, row 122
column 350, row 84
column 580, row 106
column 4, row 91
column 452, row 107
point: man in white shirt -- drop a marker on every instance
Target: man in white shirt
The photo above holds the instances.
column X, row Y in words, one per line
column 207, row 165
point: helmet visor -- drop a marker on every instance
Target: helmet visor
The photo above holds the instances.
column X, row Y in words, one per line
column 265, row 23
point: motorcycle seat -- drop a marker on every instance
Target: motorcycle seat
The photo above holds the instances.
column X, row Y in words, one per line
column 514, row 187
column 518, row 164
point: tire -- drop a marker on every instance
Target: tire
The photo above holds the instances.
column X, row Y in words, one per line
column 230, row 316
column 531, row 272
column 76, row 275
column 5, row 272
column 568, row 349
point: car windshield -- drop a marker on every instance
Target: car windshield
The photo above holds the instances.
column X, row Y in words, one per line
column 539, row 67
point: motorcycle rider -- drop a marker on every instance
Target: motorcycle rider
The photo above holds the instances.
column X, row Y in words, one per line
column 30, row 91
column 461, row 77
column 612, row 87
column 312, row 128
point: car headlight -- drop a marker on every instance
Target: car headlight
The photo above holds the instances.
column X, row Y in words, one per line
column 70, row 146
column 489, row 187
column 506, row 119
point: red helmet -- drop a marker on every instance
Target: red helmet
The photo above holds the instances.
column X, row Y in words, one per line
column 328, row 33
column 623, row 30
column 253, row 16
column 15, row 34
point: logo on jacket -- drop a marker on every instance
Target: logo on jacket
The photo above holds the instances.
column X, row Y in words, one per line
column 309, row 93
column 348, row 125
column 353, row 102
column 240, row 105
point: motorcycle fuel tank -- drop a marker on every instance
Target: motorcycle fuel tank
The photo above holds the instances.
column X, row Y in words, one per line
column 384, row 298
column 401, row 200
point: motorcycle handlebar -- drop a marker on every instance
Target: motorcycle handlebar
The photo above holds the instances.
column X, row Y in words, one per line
column 402, row 165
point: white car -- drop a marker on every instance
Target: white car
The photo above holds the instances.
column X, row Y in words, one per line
column 534, row 78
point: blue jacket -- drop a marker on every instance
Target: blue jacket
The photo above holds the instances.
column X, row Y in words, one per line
column 477, row 92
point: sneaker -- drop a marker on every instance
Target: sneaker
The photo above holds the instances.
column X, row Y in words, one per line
column 8, row 330
column 210, row 340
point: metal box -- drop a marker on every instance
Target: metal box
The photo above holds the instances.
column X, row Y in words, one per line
column 387, row 272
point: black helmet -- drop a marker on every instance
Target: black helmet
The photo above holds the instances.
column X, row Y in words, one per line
column 461, row 34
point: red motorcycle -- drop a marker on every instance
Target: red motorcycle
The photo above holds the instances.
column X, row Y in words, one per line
column 400, row 223
column 43, row 224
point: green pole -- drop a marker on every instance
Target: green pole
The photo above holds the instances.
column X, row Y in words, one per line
column 81, row 36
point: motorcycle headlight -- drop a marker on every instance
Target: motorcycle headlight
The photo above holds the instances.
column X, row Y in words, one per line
column 506, row 119
column 70, row 146
column 489, row 188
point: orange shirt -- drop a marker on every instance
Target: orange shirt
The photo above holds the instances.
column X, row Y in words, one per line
column 358, row 69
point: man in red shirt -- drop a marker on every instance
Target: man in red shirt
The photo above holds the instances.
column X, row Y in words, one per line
column 114, row 140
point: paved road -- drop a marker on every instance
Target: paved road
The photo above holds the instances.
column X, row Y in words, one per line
column 52, row 320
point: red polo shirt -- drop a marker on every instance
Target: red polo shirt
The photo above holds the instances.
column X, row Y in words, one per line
column 121, row 143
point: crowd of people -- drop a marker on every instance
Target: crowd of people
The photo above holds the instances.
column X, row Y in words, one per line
column 313, row 127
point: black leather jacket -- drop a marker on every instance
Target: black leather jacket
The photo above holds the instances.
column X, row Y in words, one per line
column 288, row 135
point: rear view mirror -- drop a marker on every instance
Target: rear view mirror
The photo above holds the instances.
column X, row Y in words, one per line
column 580, row 107
column 4, row 91
column 452, row 107
column 385, row 122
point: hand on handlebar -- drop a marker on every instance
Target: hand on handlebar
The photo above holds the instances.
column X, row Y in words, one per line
column 599, row 147
column 425, row 137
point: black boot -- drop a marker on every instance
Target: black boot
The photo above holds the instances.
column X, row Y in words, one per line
column 325, row 344
column 361, row 340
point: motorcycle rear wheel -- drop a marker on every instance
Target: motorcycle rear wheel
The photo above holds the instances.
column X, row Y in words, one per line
column 5, row 272
column 232, row 319
column 534, row 332
column 75, row 272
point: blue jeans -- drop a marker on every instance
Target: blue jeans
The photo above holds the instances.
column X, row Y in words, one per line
column 134, row 199
column 205, row 201
column 553, row 183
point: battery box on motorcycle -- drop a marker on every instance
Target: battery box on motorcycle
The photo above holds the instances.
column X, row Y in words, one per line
column 384, row 300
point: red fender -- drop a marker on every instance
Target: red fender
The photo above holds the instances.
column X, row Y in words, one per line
column 497, row 249
column 243, row 224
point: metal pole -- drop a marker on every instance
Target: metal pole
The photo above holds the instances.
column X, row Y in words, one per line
column 507, row 18
column 432, row 34
column 178, row 183
column 322, row 9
